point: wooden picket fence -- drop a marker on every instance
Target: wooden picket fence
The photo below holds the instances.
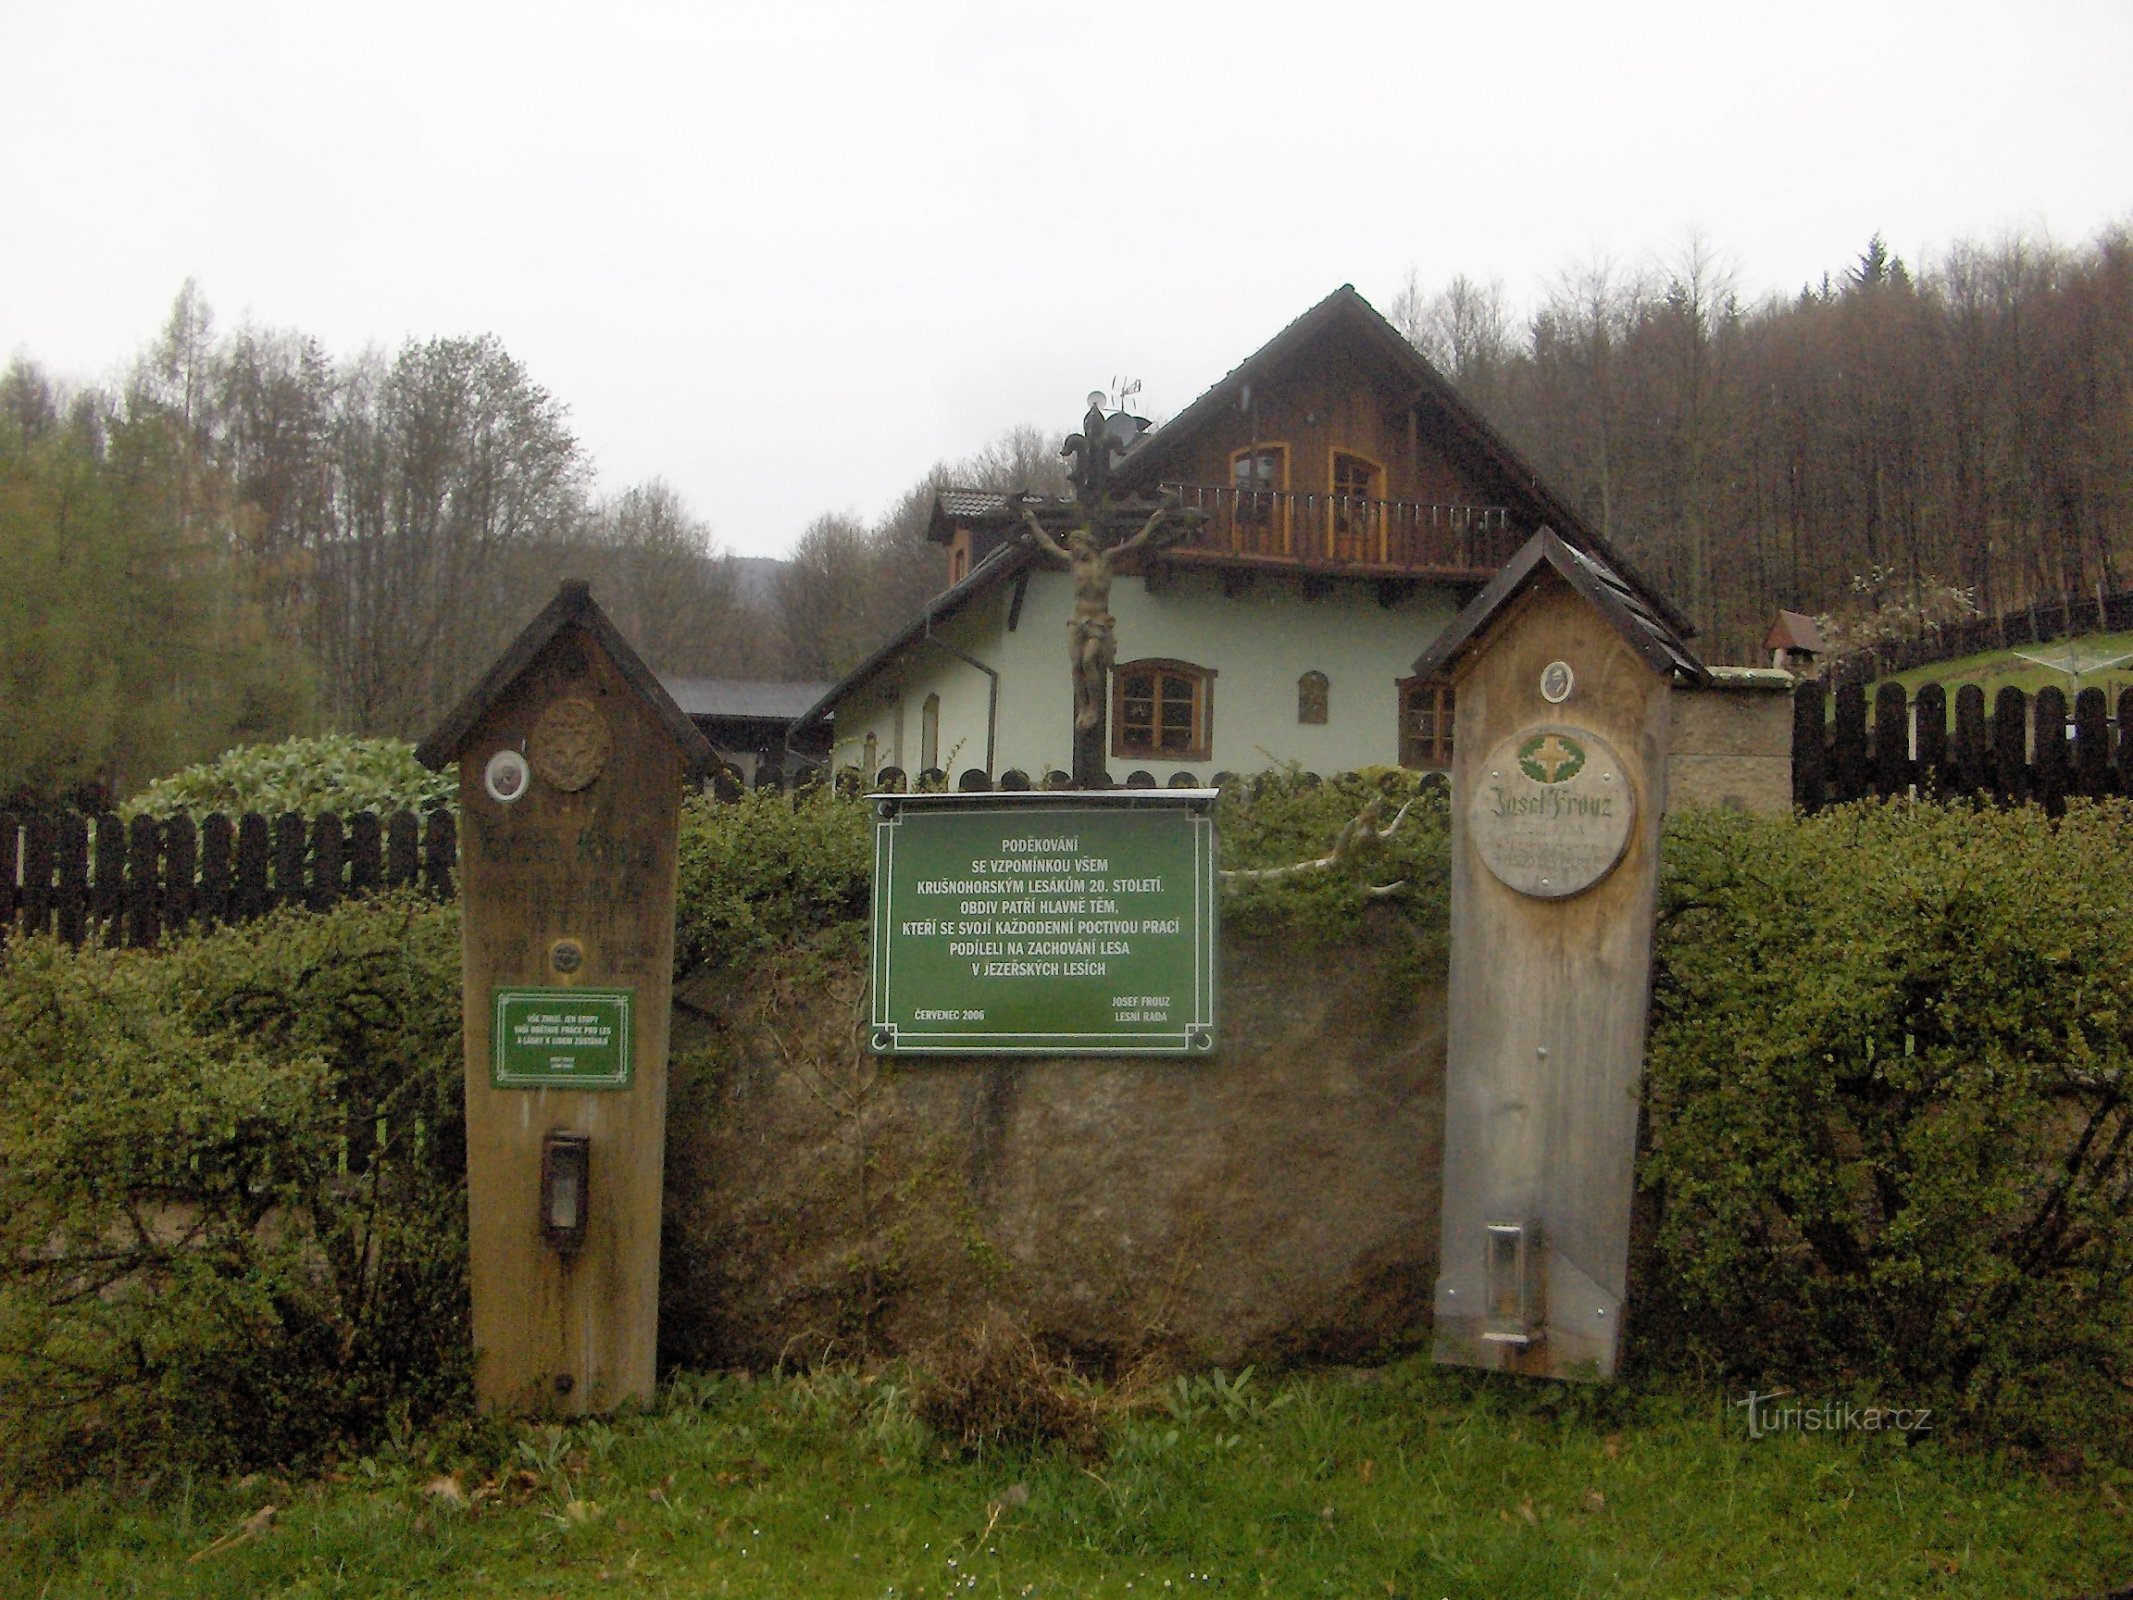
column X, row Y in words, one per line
column 128, row 883
column 2039, row 621
column 2026, row 749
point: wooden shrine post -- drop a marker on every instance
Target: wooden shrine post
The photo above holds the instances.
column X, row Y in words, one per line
column 572, row 761
column 1563, row 672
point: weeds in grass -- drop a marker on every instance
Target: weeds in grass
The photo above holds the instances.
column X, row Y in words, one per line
column 993, row 1389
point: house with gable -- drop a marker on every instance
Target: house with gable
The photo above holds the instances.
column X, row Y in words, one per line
column 1351, row 504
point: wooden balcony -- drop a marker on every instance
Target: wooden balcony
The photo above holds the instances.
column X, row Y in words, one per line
column 1321, row 533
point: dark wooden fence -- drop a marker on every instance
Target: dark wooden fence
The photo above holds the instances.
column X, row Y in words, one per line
column 100, row 877
column 2064, row 616
column 2024, row 750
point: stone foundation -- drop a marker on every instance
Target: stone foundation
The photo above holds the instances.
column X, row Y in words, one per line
column 1276, row 1201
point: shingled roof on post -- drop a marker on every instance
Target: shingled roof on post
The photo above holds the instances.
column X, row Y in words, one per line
column 1641, row 618
column 573, row 606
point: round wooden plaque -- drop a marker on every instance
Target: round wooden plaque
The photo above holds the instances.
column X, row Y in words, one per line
column 570, row 743
column 1551, row 810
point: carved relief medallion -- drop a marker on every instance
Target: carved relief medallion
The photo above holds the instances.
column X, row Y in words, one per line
column 1551, row 811
column 570, row 743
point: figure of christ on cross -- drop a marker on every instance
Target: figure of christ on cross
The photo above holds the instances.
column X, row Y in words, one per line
column 1092, row 643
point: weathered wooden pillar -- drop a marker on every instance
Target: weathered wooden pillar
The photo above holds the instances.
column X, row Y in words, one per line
column 1562, row 674
column 572, row 762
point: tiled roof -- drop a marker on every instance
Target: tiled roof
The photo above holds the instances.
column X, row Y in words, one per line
column 997, row 566
column 742, row 697
column 1793, row 631
column 967, row 503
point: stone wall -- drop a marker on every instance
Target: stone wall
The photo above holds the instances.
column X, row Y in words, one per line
column 1278, row 1200
column 1732, row 743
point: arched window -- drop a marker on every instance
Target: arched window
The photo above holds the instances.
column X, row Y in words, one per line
column 1311, row 691
column 1425, row 724
column 929, row 732
column 1162, row 711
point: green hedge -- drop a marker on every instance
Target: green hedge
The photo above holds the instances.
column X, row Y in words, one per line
column 1891, row 1114
column 763, row 872
column 231, row 1190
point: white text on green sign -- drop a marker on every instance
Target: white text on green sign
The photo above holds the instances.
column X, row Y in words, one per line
column 561, row 1039
column 1012, row 924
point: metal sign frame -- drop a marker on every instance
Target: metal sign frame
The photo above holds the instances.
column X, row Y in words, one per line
column 1072, row 948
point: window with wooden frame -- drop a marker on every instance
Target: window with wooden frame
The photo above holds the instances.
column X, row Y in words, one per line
column 1162, row 711
column 1426, row 724
column 1358, row 486
column 1258, row 477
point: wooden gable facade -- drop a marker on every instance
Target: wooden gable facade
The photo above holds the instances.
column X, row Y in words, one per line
column 1335, row 449
column 1327, row 456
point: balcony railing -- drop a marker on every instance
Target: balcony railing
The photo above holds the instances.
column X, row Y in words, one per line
column 1337, row 530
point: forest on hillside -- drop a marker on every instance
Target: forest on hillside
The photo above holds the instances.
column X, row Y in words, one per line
column 246, row 536
column 1890, row 447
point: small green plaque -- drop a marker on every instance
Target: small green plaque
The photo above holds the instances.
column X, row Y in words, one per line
column 1044, row 924
column 561, row 1039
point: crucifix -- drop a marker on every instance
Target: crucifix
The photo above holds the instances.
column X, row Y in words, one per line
column 1092, row 644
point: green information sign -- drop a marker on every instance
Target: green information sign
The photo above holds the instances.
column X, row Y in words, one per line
column 561, row 1039
column 1044, row 923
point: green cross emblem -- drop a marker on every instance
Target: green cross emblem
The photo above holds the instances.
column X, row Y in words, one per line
column 1551, row 758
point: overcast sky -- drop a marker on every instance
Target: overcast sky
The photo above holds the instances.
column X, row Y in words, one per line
column 787, row 256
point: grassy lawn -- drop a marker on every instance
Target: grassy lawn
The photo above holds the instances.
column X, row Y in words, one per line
column 1402, row 1482
column 1995, row 669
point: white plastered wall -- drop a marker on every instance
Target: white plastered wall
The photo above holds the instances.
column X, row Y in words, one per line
column 1259, row 643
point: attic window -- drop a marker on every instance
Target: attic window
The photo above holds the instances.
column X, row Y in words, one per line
column 1162, row 711
column 1425, row 724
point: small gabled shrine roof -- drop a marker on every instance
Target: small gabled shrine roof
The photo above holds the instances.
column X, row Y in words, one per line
column 573, row 605
column 1633, row 612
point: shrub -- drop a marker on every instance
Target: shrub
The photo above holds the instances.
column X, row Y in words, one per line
column 232, row 1194
column 339, row 773
column 992, row 1388
column 764, row 872
column 1283, row 818
column 1890, row 1110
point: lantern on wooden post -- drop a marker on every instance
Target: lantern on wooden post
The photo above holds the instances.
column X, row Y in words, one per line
column 566, row 1190
column 572, row 762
